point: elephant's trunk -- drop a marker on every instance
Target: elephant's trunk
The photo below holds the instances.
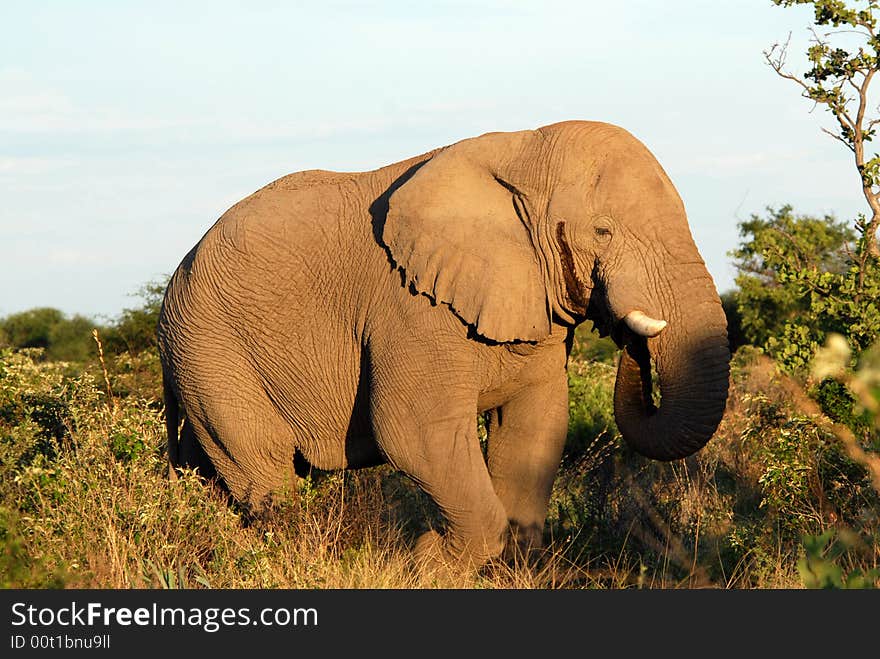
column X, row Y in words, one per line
column 691, row 357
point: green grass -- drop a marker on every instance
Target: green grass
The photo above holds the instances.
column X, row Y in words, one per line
column 84, row 500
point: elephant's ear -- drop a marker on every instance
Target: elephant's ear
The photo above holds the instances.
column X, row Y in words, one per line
column 455, row 231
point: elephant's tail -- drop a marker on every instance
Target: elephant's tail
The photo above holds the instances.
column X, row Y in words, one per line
column 172, row 423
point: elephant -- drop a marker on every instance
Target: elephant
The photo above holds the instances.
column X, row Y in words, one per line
column 346, row 320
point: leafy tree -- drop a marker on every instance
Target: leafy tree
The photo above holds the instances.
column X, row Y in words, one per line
column 839, row 79
column 800, row 278
column 735, row 336
column 31, row 328
column 62, row 338
column 773, row 247
column 71, row 340
column 135, row 329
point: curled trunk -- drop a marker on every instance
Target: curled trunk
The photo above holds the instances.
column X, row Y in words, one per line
column 692, row 364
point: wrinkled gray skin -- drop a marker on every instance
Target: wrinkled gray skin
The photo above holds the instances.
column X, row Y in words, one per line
column 346, row 320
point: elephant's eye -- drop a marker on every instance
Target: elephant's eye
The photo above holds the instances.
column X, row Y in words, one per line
column 603, row 233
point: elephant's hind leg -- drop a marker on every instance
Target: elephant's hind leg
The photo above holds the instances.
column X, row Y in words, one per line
column 250, row 446
column 188, row 453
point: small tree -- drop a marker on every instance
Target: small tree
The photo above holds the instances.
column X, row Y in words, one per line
column 839, row 80
column 62, row 338
column 31, row 328
column 135, row 329
column 843, row 63
column 798, row 280
column 772, row 249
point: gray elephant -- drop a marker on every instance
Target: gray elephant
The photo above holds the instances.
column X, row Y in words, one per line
column 345, row 320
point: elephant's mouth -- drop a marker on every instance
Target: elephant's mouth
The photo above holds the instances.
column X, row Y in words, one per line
column 603, row 320
column 635, row 349
column 635, row 352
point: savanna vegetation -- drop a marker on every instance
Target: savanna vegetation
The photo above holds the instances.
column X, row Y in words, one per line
column 787, row 494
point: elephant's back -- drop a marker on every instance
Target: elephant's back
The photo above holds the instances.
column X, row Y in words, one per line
column 298, row 253
column 309, row 179
column 291, row 241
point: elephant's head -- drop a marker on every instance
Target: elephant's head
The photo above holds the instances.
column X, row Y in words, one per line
column 518, row 231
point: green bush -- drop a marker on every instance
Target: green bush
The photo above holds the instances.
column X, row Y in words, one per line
column 588, row 346
column 591, row 422
column 31, row 329
column 839, row 403
column 60, row 337
column 801, row 278
column 821, row 566
column 83, row 480
column 807, row 479
column 70, row 339
column 19, row 567
column 135, row 329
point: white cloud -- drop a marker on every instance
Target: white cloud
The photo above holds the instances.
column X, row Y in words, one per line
column 28, row 110
column 729, row 164
column 71, row 256
column 33, row 166
column 28, row 107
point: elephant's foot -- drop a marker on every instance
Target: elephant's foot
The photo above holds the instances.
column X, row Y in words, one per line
column 271, row 504
column 450, row 562
column 435, row 561
column 524, row 544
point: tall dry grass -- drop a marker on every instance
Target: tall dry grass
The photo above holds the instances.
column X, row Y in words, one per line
column 84, row 500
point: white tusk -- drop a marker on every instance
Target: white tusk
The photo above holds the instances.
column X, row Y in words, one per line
column 642, row 324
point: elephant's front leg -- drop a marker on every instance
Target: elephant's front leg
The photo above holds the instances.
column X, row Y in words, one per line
column 525, row 440
column 430, row 433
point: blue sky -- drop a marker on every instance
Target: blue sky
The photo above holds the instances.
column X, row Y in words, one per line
column 127, row 128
